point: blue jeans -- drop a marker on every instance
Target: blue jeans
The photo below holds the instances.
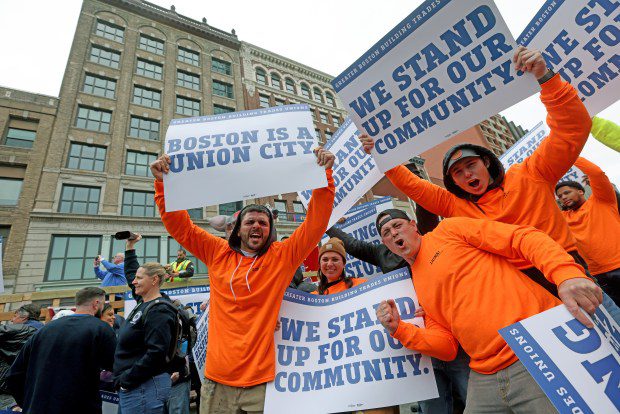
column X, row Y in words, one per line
column 150, row 397
column 448, row 374
column 179, row 399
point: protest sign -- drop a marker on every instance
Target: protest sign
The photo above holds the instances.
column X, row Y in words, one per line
column 109, row 402
column 191, row 295
column 332, row 354
column 445, row 67
column 1, row 274
column 526, row 146
column 240, row 155
column 380, row 204
column 361, row 227
column 355, row 172
column 579, row 40
column 577, row 368
column 199, row 350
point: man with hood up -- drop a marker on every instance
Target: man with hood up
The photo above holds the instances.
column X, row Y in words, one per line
column 248, row 276
column 477, row 185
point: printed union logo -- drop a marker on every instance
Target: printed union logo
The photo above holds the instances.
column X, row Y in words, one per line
column 457, row 154
column 437, row 253
column 136, row 317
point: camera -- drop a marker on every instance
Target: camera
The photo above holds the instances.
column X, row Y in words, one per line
column 125, row 235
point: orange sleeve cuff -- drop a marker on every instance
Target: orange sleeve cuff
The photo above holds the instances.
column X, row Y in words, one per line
column 551, row 86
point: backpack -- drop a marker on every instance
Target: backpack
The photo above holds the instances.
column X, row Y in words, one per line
column 182, row 331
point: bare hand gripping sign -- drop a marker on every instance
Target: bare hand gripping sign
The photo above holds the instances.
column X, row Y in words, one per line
column 240, row 155
column 332, row 354
column 422, row 83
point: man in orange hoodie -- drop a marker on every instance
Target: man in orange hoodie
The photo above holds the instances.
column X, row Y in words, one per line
column 248, row 275
column 469, row 291
column 595, row 223
column 477, row 185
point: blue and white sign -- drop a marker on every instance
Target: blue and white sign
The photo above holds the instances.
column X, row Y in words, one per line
column 444, row 68
column 577, row 368
column 526, row 146
column 332, row 354
column 580, row 40
column 361, row 227
column 240, row 156
column 109, row 402
column 355, row 172
column 190, row 295
column 199, row 350
column 379, row 204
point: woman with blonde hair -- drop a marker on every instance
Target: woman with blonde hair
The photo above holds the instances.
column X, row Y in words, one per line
column 144, row 341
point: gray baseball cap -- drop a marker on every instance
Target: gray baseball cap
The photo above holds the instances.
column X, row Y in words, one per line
column 459, row 155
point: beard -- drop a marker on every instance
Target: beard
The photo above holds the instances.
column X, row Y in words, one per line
column 99, row 313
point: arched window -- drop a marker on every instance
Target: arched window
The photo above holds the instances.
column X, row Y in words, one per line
column 318, row 96
column 261, row 76
column 330, row 99
column 275, row 81
column 305, row 91
column 290, row 85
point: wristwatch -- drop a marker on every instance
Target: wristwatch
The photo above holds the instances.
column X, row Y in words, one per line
column 550, row 74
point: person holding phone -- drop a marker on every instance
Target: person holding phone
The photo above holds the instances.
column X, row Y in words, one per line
column 114, row 273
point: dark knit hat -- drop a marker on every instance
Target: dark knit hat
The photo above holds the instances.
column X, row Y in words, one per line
column 573, row 184
column 390, row 214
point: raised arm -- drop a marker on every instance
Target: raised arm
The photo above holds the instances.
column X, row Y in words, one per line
column 359, row 249
column 606, row 132
column 602, row 188
column 199, row 242
column 99, row 273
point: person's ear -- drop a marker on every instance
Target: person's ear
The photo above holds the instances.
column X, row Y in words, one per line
column 486, row 161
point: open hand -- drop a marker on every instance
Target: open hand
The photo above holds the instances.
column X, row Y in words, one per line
column 580, row 293
column 387, row 314
column 532, row 61
column 160, row 166
column 368, row 143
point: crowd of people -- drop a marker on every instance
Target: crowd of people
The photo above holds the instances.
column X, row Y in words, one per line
column 504, row 251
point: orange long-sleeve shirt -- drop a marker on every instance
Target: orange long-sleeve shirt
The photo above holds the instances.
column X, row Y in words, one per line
column 467, row 286
column 596, row 224
column 341, row 286
column 526, row 197
column 246, row 292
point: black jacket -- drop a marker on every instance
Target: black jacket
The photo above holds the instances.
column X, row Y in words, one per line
column 12, row 338
column 143, row 341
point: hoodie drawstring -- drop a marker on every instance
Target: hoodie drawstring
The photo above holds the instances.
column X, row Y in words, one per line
column 247, row 283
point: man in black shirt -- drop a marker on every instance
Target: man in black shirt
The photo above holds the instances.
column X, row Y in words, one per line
column 58, row 369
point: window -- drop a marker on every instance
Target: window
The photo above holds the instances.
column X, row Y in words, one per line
column 187, row 106
column 313, row 112
column 138, row 204
column 264, row 101
column 79, row 200
column 221, row 66
column 150, row 44
column 149, row 69
column 330, row 99
column 261, row 76
column 220, row 109
column 195, row 213
column 290, row 85
column 318, row 135
column 21, row 133
column 86, row 157
column 103, row 56
column 280, row 205
column 318, row 96
column 298, row 207
column 222, row 89
column 188, row 56
column 174, row 246
column 188, row 80
column 144, row 128
column 323, row 117
column 4, row 233
column 275, row 81
column 110, row 31
column 336, row 120
column 93, row 119
column 10, row 189
column 137, row 163
column 147, row 249
column 305, row 91
column 71, row 257
column 280, row 102
column 228, row 209
column 328, row 135
column 100, row 86
column 146, row 97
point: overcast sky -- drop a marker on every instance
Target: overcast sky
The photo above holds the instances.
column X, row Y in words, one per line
column 325, row 34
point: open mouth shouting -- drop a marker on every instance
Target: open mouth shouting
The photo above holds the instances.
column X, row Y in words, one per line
column 474, row 183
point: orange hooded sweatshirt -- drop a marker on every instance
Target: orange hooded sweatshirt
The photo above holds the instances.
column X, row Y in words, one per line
column 596, row 224
column 341, row 286
column 526, row 196
column 246, row 292
column 469, row 290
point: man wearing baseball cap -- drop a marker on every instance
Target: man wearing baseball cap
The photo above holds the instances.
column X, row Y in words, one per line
column 595, row 223
column 470, row 290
